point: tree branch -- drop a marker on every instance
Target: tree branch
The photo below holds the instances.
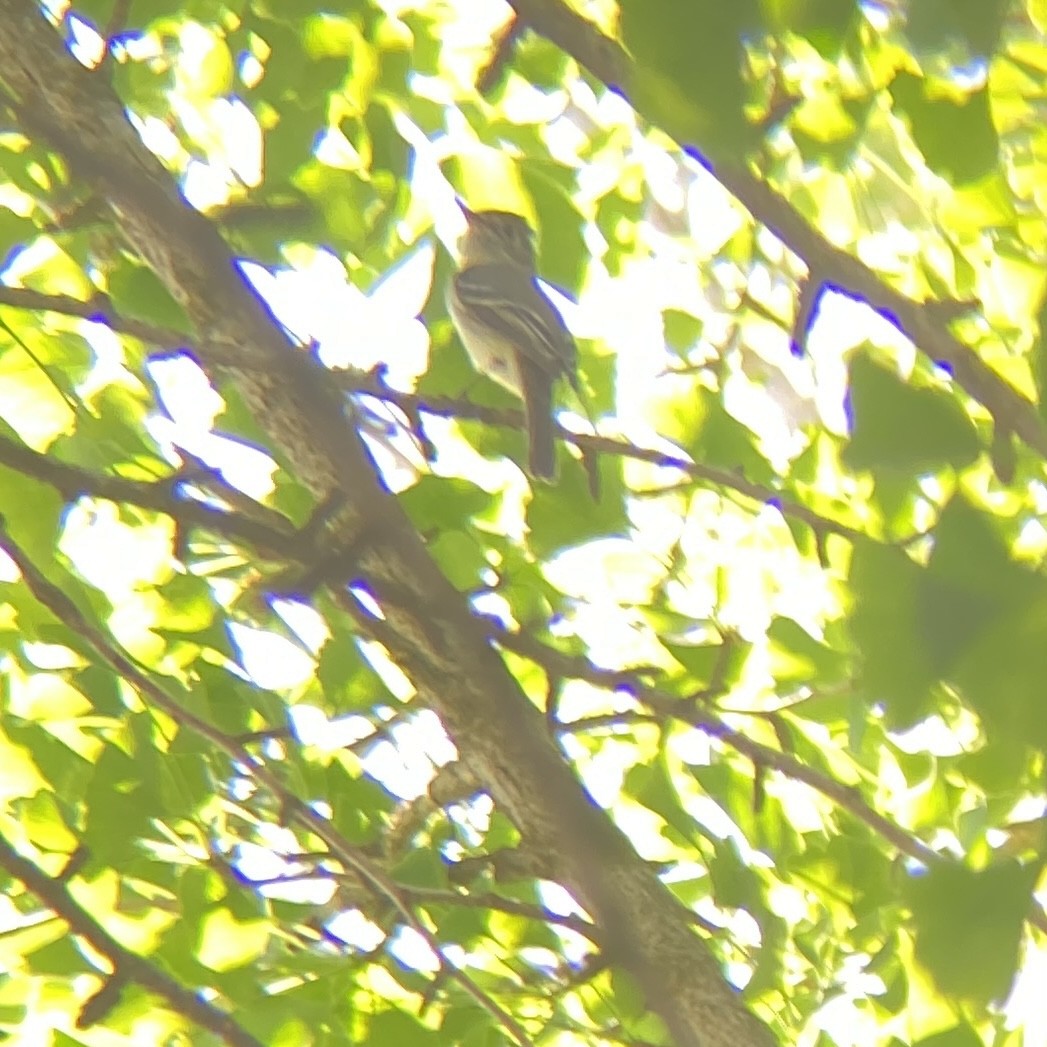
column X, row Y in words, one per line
column 63, row 608
column 920, row 321
column 355, row 381
column 73, row 482
column 127, row 966
column 451, row 407
column 99, row 309
column 668, row 705
column 426, row 625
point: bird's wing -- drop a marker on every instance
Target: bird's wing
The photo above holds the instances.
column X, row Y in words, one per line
column 509, row 301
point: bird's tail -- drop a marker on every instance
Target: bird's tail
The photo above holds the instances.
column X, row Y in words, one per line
column 538, row 408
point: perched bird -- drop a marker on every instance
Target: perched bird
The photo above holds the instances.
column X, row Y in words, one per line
column 511, row 330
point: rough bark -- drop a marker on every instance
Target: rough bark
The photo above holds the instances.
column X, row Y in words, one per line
column 428, row 627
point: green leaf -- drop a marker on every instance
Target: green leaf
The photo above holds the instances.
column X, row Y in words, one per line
column 188, row 605
column 958, row 1036
column 735, row 883
column 120, row 802
column 566, row 515
column 934, row 25
column 32, row 512
column 226, row 943
column 957, row 136
column 901, row 426
column 422, row 868
column 960, row 913
column 716, row 665
column 824, row 23
column 360, row 804
column 651, row 786
column 982, row 617
column 437, row 503
column 829, row 131
column 891, row 668
column 682, row 331
column 388, row 149
column 719, row 439
column 797, row 657
column 461, row 558
column 688, row 68
column 562, row 254
column 971, row 581
column 390, row 1028
column 137, row 294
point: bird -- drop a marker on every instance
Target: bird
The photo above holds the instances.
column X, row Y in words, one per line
column 511, row 330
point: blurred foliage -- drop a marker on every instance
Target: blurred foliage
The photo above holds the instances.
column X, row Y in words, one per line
column 826, row 568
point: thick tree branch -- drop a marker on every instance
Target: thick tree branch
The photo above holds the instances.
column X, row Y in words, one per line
column 413, row 404
column 426, row 625
column 66, row 611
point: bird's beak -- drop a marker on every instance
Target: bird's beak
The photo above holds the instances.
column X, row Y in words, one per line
column 469, row 215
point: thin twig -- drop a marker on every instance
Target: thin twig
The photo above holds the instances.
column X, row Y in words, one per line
column 163, row 496
column 127, row 966
column 63, row 607
column 451, row 407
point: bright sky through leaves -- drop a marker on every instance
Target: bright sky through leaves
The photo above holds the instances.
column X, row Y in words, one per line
column 321, row 740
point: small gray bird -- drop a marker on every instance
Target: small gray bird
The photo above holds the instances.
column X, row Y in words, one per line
column 511, row 330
